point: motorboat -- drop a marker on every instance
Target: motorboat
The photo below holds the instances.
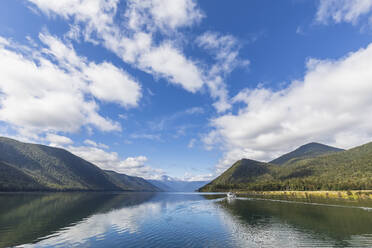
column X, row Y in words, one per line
column 231, row 195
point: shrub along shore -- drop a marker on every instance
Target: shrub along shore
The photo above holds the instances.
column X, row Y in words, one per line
column 346, row 195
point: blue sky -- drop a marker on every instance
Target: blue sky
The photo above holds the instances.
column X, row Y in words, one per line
column 181, row 87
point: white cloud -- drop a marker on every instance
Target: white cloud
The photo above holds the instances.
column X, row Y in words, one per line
column 96, row 155
column 132, row 40
column 164, row 60
column 134, row 162
column 133, row 166
column 105, row 81
column 73, row 33
column 168, row 62
column 58, row 140
column 137, row 49
column 188, row 177
column 166, row 15
column 145, row 136
column 342, row 10
column 4, row 42
column 54, row 91
column 111, row 84
column 95, row 144
column 332, row 104
column 97, row 13
column 225, row 50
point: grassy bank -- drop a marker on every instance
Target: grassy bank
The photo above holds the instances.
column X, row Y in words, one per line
column 346, row 195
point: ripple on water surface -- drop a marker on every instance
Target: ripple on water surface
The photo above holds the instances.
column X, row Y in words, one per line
column 177, row 220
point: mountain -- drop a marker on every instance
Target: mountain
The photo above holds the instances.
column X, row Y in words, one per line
column 161, row 185
column 306, row 151
column 12, row 178
column 343, row 170
column 242, row 171
column 131, row 183
column 170, row 184
column 26, row 167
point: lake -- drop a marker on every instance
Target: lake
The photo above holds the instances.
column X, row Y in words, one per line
column 178, row 220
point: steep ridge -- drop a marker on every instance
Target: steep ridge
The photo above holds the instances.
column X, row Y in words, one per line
column 38, row 167
column 306, row 151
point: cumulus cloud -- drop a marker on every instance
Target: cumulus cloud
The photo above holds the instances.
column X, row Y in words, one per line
column 133, row 166
column 134, row 162
column 55, row 89
column 342, row 10
column 96, row 13
column 105, row 81
column 166, row 61
column 58, row 140
column 133, row 40
column 332, row 104
column 166, row 15
column 109, row 83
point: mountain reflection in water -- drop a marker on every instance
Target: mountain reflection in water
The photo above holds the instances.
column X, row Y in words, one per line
column 176, row 220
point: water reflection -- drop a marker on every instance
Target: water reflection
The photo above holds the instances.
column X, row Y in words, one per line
column 176, row 220
column 290, row 224
column 25, row 218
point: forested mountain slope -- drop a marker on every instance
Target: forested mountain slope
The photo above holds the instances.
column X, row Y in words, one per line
column 306, row 151
column 37, row 167
column 344, row 170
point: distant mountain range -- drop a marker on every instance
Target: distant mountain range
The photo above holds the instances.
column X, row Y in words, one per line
column 170, row 184
column 314, row 166
column 310, row 167
column 33, row 167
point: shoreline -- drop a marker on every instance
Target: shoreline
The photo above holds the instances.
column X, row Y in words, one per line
column 354, row 195
column 76, row 191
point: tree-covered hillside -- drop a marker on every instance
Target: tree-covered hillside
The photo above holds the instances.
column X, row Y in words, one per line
column 13, row 179
column 131, row 183
column 345, row 170
column 306, row 151
column 37, row 167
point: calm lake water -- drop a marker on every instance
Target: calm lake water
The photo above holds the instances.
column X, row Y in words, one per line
column 177, row 220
